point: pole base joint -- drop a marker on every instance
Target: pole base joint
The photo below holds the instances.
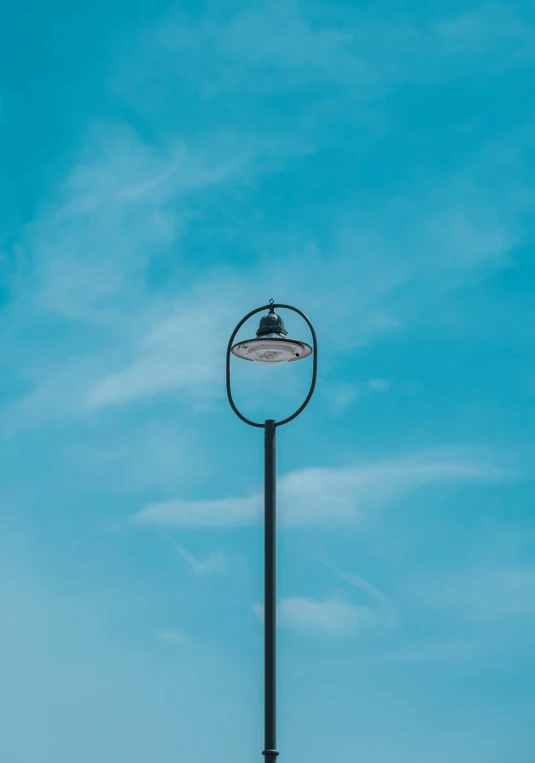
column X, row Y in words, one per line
column 274, row 753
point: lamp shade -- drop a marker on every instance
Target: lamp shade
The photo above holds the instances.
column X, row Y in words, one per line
column 272, row 346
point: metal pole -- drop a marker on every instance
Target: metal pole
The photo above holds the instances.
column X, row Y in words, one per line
column 270, row 593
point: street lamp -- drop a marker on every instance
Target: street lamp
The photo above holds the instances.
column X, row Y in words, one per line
column 271, row 348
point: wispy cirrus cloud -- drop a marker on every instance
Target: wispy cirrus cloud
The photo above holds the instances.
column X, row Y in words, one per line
column 342, row 394
column 332, row 616
column 380, row 598
column 379, row 385
column 319, row 496
column 173, row 637
column 176, row 352
column 481, row 594
column 215, row 562
column 84, row 273
column 122, row 204
column 280, row 46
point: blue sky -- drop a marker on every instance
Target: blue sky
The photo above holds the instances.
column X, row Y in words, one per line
column 164, row 170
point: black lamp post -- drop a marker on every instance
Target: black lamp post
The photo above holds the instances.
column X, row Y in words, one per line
column 271, row 348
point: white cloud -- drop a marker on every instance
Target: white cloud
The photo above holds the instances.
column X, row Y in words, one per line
column 280, row 35
column 284, row 45
column 469, row 649
column 180, row 349
column 357, row 582
column 270, row 47
column 224, row 512
column 379, row 385
column 481, row 594
column 173, row 636
column 491, row 25
column 320, row 496
column 342, row 394
column 334, row 615
column 331, row 616
column 216, row 561
column 120, row 205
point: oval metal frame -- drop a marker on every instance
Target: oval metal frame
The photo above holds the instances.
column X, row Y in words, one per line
column 314, row 365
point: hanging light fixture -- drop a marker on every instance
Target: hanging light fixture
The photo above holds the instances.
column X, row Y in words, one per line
column 272, row 346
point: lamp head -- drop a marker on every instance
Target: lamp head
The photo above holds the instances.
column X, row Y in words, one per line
column 271, row 346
